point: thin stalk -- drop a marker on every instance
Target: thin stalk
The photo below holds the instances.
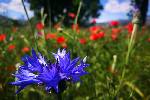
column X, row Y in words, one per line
column 31, row 27
column 131, row 43
column 78, row 12
column 130, row 47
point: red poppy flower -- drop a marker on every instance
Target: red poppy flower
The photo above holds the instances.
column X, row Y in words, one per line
column 60, row 40
column 116, row 30
column 95, row 29
column 101, row 34
column 11, row 47
column 114, row 23
column 129, row 27
column 2, row 37
column 75, row 27
column 25, row 49
column 94, row 37
column 82, row 41
column 72, row 15
column 50, row 36
column 114, row 36
column 39, row 26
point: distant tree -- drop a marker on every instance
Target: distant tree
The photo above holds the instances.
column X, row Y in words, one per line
column 143, row 6
column 55, row 8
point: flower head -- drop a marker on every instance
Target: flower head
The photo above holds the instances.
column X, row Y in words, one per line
column 36, row 70
column 2, row 37
column 24, row 78
column 69, row 68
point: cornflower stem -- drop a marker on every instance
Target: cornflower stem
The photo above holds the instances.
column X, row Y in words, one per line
column 59, row 96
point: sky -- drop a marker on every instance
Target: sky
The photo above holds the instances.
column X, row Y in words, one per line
column 113, row 10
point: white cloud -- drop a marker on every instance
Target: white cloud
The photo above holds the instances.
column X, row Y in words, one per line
column 114, row 6
column 16, row 6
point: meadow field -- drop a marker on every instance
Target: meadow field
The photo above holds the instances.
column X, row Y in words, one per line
column 111, row 74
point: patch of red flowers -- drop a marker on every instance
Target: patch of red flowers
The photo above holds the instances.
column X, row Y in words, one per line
column 82, row 41
column 2, row 37
column 25, row 49
column 39, row 26
column 60, row 40
column 11, row 47
column 72, row 15
column 50, row 36
column 96, row 36
column 95, row 29
column 114, row 23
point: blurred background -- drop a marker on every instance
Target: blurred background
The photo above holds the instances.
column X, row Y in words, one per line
column 101, row 10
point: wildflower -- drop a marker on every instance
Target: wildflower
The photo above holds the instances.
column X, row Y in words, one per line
column 101, row 35
column 36, row 70
column 50, row 77
column 114, row 36
column 82, row 41
column 72, row 15
column 11, row 47
column 97, row 36
column 69, row 68
column 129, row 27
column 60, row 40
column 39, row 26
column 94, row 37
column 94, row 29
column 25, row 49
column 114, row 23
column 50, row 36
column 2, row 37
column 75, row 27
column 24, row 78
column 116, row 30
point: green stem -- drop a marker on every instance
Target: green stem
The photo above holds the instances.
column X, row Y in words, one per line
column 78, row 12
column 131, row 43
column 59, row 96
column 32, row 32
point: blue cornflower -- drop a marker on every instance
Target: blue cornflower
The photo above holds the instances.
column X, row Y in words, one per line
column 36, row 70
column 50, row 77
column 69, row 68
column 24, row 78
column 45, row 73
